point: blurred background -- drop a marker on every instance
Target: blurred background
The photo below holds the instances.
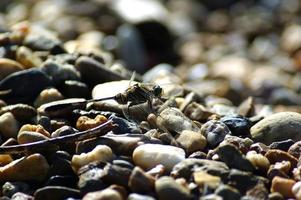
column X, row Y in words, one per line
column 226, row 48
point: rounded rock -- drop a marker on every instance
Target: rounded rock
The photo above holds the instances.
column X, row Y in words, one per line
column 283, row 186
column 278, row 127
column 258, row 160
column 84, row 123
column 191, row 141
column 148, row 156
column 48, row 95
column 215, row 132
column 30, row 136
column 8, row 125
column 107, row 194
column 99, row 153
column 8, row 67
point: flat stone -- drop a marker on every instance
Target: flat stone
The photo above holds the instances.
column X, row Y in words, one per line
column 277, row 127
column 148, row 156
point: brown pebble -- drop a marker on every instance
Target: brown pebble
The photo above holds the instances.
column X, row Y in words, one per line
column 34, row 128
column 275, row 155
column 283, row 186
column 84, row 123
column 8, row 67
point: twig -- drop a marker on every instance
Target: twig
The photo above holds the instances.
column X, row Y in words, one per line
column 54, row 142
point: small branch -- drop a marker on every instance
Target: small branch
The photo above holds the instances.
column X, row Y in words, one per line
column 55, row 142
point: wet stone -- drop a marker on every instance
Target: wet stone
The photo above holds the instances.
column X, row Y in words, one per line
column 148, row 156
column 215, row 132
column 168, row 188
column 29, row 90
column 238, row 125
column 56, row 192
column 234, row 158
column 277, row 127
column 191, row 141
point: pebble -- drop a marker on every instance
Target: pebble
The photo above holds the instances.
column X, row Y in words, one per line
column 22, row 112
column 34, row 128
column 227, row 192
column 258, row 161
column 283, row 186
column 282, row 145
column 148, row 156
column 168, row 188
column 93, row 72
column 106, row 194
column 8, row 66
column 74, row 89
column 48, row 95
column 238, row 125
column 174, row 121
column 5, row 159
column 295, row 149
column 191, row 141
column 56, row 192
column 275, row 155
column 33, row 167
column 30, row 136
column 9, row 126
column 197, row 112
column 234, row 158
column 202, row 178
column 27, row 57
column 296, row 189
column 135, row 196
column 99, row 153
column 277, row 127
column 21, row 196
column 84, row 123
column 10, row 188
column 215, row 132
column 29, row 90
column 140, row 182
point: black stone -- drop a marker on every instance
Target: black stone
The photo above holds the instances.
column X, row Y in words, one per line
column 238, row 125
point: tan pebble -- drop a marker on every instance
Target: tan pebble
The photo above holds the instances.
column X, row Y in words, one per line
column 29, row 136
column 258, row 160
column 27, row 58
column 34, row 128
column 33, row 167
column 84, row 123
column 47, row 96
column 106, row 194
column 202, row 178
column 8, row 67
column 148, row 156
column 284, row 166
column 99, row 153
column 275, row 155
column 8, row 126
column 192, row 141
column 283, row 186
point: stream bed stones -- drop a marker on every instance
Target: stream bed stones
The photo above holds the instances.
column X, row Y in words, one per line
column 150, row 100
